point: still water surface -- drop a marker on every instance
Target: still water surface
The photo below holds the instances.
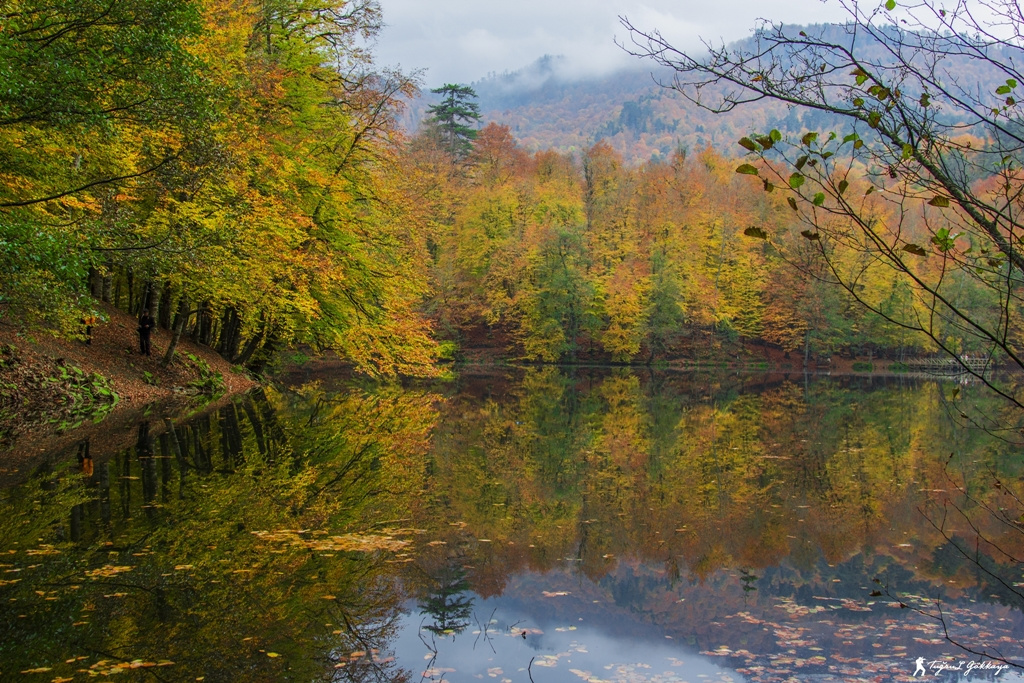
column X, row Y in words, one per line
column 542, row 524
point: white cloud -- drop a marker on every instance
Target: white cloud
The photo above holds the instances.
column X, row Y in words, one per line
column 464, row 40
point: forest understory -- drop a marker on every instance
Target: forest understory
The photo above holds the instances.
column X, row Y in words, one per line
column 50, row 386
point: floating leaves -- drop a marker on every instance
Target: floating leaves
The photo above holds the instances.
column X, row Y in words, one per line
column 107, row 571
column 365, row 543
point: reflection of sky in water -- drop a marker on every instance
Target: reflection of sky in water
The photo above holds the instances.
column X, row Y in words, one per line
column 561, row 650
column 572, row 637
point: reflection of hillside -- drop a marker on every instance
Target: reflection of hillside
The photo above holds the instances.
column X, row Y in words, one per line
column 816, row 488
column 240, row 545
column 750, row 512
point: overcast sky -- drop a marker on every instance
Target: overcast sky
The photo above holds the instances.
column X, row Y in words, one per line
column 460, row 41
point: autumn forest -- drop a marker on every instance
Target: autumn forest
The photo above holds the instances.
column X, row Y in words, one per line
column 717, row 381
column 238, row 170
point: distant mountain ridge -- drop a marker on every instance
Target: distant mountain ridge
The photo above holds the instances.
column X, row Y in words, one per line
column 546, row 107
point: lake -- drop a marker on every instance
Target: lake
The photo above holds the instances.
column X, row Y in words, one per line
column 534, row 524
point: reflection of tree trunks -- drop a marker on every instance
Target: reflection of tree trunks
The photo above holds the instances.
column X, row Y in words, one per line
column 104, row 497
column 176, row 447
column 275, row 435
column 257, row 425
column 237, row 445
column 125, row 467
column 203, row 461
column 76, row 523
column 144, row 450
column 230, row 436
column 165, row 468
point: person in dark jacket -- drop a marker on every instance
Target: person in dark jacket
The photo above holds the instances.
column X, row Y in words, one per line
column 145, row 328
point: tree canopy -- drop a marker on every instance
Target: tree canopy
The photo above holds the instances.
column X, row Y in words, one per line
column 223, row 164
column 919, row 171
column 454, row 116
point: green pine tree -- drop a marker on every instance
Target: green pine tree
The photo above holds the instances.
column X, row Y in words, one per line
column 454, row 117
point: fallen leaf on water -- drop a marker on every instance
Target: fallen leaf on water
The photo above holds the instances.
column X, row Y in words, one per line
column 273, row 654
column 42, row 669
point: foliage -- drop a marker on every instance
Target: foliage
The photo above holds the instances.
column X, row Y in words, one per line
column 228, row 163
column 209, row 381
column 454, row 117
column 590, row 258
column 266, row 541
column 55, row 393
column 917, row 175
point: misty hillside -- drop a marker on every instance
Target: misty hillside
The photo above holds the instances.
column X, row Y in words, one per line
column 629, row 110
column 546, row 106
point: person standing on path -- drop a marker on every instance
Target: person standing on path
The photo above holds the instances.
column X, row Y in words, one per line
column 145, row 328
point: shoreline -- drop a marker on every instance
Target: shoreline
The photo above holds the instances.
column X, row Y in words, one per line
column 39, row 376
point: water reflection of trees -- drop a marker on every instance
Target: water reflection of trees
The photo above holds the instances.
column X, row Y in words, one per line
column 653, row 487
column 447, row 601
column 701, row 478
column 236, row 545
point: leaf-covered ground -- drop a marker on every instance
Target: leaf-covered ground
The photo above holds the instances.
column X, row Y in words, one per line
column 49, row 384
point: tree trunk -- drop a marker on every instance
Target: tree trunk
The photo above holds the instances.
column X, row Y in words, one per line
column 164, row 319
column 263, row 358
column 131, row 292
column 108, row 283
column 206, row 328
column 227, row 322
column 154, row 300
column 252, row 345
column 180, row 320
column 95, row 283
column 201, row 331
column 145, row 295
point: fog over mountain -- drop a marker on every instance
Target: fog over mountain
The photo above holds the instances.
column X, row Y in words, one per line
column 550, row 104
column 459, row 41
